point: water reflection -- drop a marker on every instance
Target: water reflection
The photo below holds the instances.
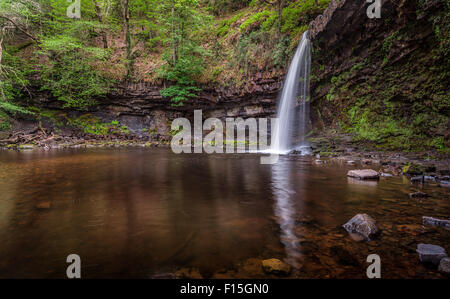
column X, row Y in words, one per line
column 286, row 208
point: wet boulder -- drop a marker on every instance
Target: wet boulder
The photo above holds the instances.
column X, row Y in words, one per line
column 383, row 174
column 444, row 265
column 43, row 205
column 418, row 194
column 364, row 174
column 363, row 225
column 444, row 183
column 435, row 222
column 430, row 254
column 275, row 266
column 417, row 179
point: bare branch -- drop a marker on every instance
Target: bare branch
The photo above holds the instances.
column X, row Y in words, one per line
column 18, row 27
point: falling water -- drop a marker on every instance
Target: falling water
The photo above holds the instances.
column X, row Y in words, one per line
column 293, row 108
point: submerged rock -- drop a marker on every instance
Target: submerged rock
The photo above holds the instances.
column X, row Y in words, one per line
column 344, row 256
column 363, row 174
column 43, row 205
column 429, row 178
column 275, row 266
column 435, row 222
column 366, row 161
column 417, row 179
column 190, row 273
column 363, row 225
column 418, row 194
column 444, row 183
column 444, row 265
column 429, row 253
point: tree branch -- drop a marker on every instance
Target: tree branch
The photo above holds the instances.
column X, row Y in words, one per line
column 18, row 27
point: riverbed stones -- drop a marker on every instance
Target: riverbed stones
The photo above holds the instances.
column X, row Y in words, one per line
column 444, row 183
column 43, row 205
column 418, row 194
column 444, row 265
column 435, row 222
column 189, row 273
column 363, row 225
column 351, row 162
column 417, row 179
column 429, row 253
column 364, row 174
column 275, row 266
column 366, row 161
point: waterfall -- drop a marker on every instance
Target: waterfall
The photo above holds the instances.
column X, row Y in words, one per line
column 293, row 106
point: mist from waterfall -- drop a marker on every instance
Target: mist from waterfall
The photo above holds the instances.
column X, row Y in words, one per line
column 293, row 107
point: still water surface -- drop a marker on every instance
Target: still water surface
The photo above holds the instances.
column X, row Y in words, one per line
column 141, row 213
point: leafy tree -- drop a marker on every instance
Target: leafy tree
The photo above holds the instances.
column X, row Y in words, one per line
column 16, row 18
column 181, row 20
column 69, row 72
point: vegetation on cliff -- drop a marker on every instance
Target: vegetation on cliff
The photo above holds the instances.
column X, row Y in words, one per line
column 385, row 91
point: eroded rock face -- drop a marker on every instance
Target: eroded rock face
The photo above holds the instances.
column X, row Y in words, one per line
column 429, row 253
column 275, row 266
column 141, row 106
column 363, row 174
column 362, row 224
column 355, row 57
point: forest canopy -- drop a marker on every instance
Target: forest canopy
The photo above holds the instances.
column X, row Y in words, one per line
column 184, row 42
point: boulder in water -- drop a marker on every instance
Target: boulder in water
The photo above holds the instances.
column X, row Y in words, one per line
column 435, row 222
column 418, row 194
column 417, row 179
column 363, row 225
column 364, row 174
column 43, row 205
column 444, row 265
column 429, row 253
column 275, row 266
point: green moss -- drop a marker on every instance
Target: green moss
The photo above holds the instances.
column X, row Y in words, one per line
column 5, row 124
column 92, row 125
column 257, row 18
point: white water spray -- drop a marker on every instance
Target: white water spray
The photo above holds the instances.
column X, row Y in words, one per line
column 293, row 108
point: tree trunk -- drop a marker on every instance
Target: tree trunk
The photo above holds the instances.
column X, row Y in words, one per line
column 126, row 16
column 100, row 19
column 174, row 37
column 280, row 16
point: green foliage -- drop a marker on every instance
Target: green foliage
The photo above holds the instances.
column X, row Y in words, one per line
column 185, row 57
column 69, row 73
column 300, row 13
column 255, row 19
column 5, row 124
column 281, row 52
column 220, row 7
column 92, row 125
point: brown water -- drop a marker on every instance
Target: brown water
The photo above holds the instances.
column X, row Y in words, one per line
column 141, row 212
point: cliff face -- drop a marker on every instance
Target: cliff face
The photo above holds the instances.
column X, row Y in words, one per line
column 385, row 80
column 139, row 106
